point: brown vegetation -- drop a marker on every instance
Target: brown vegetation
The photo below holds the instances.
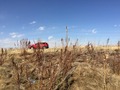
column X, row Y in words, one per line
column 75, row 68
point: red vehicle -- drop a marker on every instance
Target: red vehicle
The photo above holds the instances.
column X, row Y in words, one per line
column 40, row 45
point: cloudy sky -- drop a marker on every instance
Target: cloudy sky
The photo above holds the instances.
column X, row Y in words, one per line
column 87, row 20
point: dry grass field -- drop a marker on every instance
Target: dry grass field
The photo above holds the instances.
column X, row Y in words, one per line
column 66, row 68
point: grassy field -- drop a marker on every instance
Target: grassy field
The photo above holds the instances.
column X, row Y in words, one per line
column 66, row 68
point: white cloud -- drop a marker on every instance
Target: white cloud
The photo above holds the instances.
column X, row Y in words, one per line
column 6, row 40
column 3, row 26
column 1, row 33
column 53, row 28
column 53, row 43
column 15, row 35
column 72, row 27
column 5, row 43
column 50, row 37
column 115, row 25
column 94, row 31
column 41, row 28
column 23, row 27
column 33, row 22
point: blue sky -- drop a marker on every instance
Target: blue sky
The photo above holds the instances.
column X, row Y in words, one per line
column 87, row 20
